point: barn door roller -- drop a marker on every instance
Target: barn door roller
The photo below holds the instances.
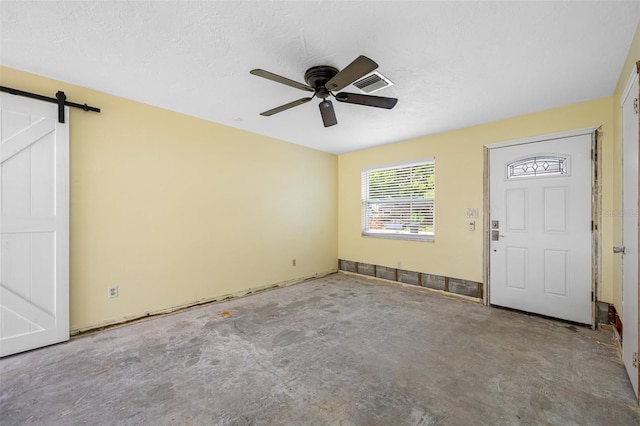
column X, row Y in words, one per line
column 60, row 99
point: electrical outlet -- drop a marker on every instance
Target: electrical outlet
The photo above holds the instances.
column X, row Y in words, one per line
column 112, row 292
column 399, row 264
column 293, row 262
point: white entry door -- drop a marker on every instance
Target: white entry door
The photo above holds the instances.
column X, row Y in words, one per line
column 34, row 227
column 630, row 231
column 540, row 220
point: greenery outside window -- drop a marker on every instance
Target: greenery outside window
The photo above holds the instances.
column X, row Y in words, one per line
column 399, row 201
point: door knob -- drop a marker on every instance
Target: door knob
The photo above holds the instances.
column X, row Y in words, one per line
column 617, row 249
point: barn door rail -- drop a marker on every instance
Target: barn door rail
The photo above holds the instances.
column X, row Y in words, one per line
column 60, row 99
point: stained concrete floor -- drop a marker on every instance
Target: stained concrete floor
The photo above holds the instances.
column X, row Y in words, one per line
column 337, row 350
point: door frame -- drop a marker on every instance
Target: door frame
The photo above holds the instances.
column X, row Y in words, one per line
column 594, row 131
column 638, row 91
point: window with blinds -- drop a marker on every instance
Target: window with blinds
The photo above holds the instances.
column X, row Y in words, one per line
column 399, row 201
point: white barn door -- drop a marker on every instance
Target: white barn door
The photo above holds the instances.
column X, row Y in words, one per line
column 540, row 227
column 34, row 225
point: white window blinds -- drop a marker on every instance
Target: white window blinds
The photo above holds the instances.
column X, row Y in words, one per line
column 399, row 201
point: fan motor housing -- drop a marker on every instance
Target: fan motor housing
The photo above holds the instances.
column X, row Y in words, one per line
column 317, row 77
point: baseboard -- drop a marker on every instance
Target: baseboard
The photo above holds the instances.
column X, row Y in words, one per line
column 445, row 285
column 618, row 324
column 191, row 305
column 413, row 287
column 611, row 328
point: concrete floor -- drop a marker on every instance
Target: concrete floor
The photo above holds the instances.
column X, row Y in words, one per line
column 337, row 350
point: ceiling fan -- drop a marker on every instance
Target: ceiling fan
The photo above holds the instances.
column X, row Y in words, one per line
column 323, row 80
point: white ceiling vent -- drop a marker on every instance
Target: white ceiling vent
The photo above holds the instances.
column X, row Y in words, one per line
column 373, row 82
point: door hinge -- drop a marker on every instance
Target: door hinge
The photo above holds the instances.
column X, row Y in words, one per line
column 592, row 296
column 635, row 360
column 635, row 106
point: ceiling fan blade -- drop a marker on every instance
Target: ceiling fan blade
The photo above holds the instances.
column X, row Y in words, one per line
column 328, row 114
column 368, row 100
column 286, row 106
column 280, row 79
column 360, row 67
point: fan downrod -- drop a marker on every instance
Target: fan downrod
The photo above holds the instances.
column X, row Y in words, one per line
column 317, row 77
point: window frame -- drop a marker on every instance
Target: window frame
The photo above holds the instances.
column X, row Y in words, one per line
column 365, row 202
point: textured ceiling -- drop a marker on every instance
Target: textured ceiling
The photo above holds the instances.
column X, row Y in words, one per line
column 453, row 64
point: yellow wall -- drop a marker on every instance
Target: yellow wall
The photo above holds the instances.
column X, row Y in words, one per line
column 173, row 209
column 629, row 65
column 457, row 252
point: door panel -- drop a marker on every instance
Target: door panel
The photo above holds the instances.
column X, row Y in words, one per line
column 555, row 272
column 516, row 267
column 541, row 200
column 630, row 233
column 555, row 209
column 516, row 210
column 34, row 247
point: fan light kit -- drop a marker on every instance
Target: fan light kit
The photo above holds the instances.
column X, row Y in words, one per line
column 323, row 80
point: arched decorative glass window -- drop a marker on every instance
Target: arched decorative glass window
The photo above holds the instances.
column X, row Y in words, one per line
column 537, row 166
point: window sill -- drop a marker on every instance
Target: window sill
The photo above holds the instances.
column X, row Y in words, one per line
column 428, row 238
